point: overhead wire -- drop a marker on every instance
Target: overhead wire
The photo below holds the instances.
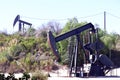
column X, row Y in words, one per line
column 44, row 19
column 57, row 19
column 91, row 15
column 114, row 15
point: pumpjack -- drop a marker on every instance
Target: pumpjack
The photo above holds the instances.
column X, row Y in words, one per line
column 99, row 63
column 21, row 23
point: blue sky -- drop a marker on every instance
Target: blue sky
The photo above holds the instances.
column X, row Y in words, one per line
column 60, row 9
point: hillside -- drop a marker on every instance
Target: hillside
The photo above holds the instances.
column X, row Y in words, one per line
column 23, row 53
column 29, row 51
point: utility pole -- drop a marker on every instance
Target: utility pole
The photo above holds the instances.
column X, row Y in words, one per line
column 105, row 21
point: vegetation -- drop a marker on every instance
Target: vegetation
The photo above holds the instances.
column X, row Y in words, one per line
column 30, row 52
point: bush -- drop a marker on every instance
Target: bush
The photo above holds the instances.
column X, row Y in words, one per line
column 26, row 76
column 39, row 75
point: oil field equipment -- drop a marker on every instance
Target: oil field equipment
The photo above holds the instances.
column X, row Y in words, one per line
column 95, row 64
column 21, row 23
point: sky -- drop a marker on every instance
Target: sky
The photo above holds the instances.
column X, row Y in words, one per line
column 39, row 12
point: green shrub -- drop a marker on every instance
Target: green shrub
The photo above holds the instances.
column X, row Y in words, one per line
column 26, row 76
column 3, row 56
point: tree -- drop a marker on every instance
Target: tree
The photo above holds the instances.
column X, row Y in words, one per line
column 54, row 27
column 110, row 41
column 66, row 46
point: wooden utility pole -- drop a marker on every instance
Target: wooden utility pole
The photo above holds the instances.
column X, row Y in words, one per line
column 105, row 21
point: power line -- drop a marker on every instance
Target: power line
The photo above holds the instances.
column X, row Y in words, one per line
column 45, row 19
column 64, row 18
column 113, row 15
column 90, row 15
